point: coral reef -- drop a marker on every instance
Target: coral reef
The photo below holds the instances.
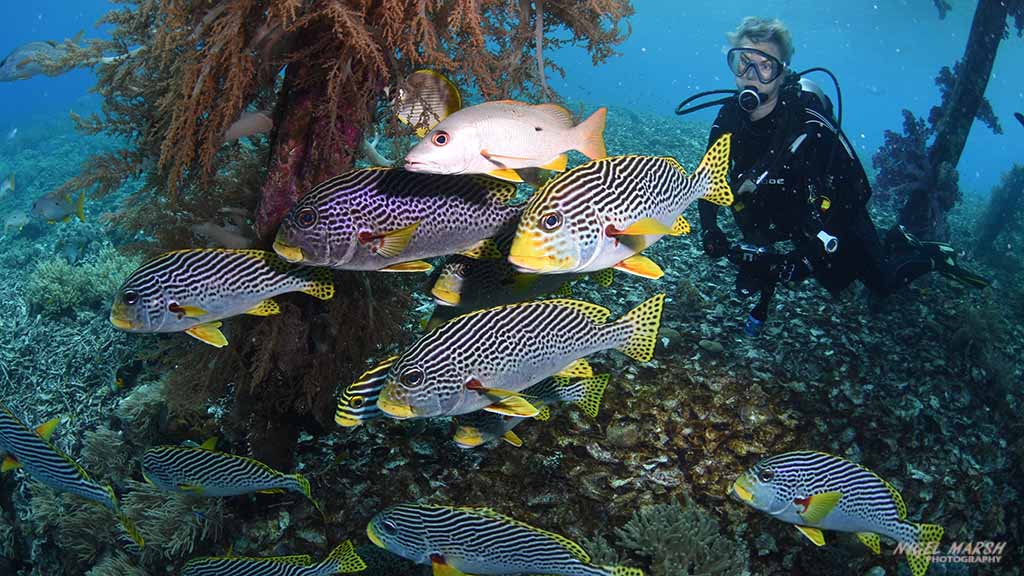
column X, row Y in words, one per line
column 172, row 524
column 1004, row 212
column 56, row 287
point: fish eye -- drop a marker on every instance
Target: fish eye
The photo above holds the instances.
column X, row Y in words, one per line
column 765, row 475
column 130, row 297
column 389, row 527
column 440, row 138
column 411, row 378
column 306, row 217
column 551, row 221
column 356, row 401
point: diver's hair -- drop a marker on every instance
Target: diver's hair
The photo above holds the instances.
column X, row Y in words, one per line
column 757, row 29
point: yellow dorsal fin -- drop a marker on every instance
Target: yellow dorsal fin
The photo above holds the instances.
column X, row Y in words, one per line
column 45, row 430
column 680, row 226
column 9, row 464
column 393, row 243
column 413, row 266
column 639, row 265
column 578, row 368
column 813, row 534
column 596, row 313
column 901, row 507
column 513, row 406
column 502, row 191
column 209, row 333
column 512, row 439
column 210, row 443
column 267, row 307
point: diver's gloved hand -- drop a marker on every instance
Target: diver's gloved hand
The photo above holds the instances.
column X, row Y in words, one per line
column 792, row 267
column 716, row 244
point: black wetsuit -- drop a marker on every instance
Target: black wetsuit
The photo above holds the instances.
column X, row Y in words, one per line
column 821, row 185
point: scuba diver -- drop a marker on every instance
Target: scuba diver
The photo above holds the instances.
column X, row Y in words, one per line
column 797, row 178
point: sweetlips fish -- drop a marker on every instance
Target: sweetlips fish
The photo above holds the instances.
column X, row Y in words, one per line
column 481, row 427
column 57, row 206
column 602, row 214
column 358, row 402
column 497, row 138
column 341, row 560
column 425, row 98
column 484, row 359
column 32, row 451
column 389, row 220
column 191, row 290
column 208, row 472
column 818, row 491
column 457, row 541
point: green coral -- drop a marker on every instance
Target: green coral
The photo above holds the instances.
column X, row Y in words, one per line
column 55, row 287
column 682, row 541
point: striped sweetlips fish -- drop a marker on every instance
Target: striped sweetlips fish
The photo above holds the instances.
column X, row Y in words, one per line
column 32, row 451
column 484, row 359
column 602, row 214
column 388, row 219
column 481, row 427
column 458, row 541
column 341, row 560
column 818, row 491
column 190, row 290
column 358, row 403
column 208, row 472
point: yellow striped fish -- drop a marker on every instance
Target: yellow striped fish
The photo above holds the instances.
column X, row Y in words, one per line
column 818, row 491
column 191, row 290
column 208, row 472
column 32, row 451
column 482, row 360
column 481, row 427
column 341, row 560
column 602, row 214
column 458, row 541
column 358, row 402
column 390, row 220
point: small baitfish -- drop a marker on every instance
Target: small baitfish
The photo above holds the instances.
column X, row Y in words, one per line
column 497, row 138
column 32, row 451
column 481, row 427
column 425, row 98
column 484, row 359
column 341, row 560
column 358, row 402
column 818, row 491
column 604, row 213
column 457, row 541
column 190, row 290
column 390, row 220
column 208, row 472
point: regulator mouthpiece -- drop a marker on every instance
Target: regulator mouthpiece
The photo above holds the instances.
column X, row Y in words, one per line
column 749, row 99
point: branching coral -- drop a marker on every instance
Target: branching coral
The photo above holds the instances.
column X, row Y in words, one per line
column 55, row 287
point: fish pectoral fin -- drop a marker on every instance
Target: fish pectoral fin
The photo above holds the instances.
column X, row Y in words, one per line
column 45, row 430
column 819, row 506
column 190, row 488
column 486, row 249
column 813, row 534
column 393, row 243
column 209, row 333
column 9, row 464
column 514, row 406
column 267, row 307
column 512, row 439
column 491, row 156
column 640, row 266
column 413, row 266
column 680, row 226
column 871, row 540
column 209, row 444
column 507, row 174
column 544, row 415
column 579, row 368
column 644, row 227
column 445, row 569
column 271, row 491
column 189, row 311
column 558, row 163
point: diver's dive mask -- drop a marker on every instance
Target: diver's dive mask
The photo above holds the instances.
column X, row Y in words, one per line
column 766, row 66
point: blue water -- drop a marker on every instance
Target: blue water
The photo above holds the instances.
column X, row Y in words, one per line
column 885, row 54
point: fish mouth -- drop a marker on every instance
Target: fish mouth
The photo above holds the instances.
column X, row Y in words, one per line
column 347, row 421
column 446, row 296
column 742, row 490
column 372, row 535
column 393, row 408
column 120, row 320
column 533, row 264
column 468, row 437
column 288, row 252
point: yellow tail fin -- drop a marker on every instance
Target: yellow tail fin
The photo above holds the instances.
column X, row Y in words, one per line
column 645, row 320
column 591, row 135
column 80, row 207
column 344, row 559
column 926, row 535
column 715, row 168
